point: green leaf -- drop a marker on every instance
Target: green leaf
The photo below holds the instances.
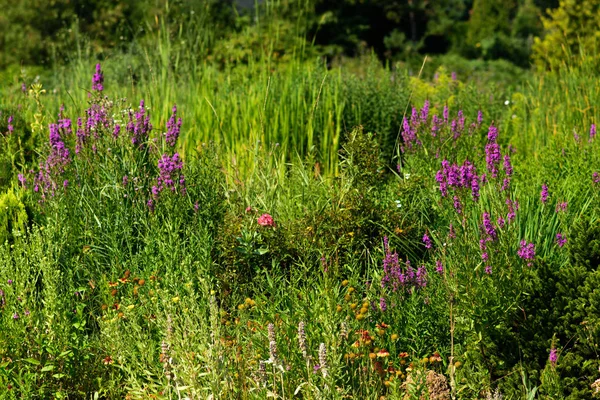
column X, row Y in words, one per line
column 47, row 368
column 32, row 361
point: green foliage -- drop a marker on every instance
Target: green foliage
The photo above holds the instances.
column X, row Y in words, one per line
column 13, row 216
column 570, row 33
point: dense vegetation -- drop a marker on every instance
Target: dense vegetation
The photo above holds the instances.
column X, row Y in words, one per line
column 208, row 200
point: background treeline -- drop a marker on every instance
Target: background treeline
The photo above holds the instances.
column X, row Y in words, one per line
column 39, row 32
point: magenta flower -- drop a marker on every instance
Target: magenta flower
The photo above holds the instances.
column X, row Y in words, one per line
column 596, row 177
column 561, row 239
column 382, row 304
column 173, row 128
column 489, row 227
column 544, row 193
column 561, row 206
column 11, row 128
column 98, row 79
column 526, row 251
column 488, row 269
column 266, row 220
column 427, row 241
column 593, row 131
column 553, row 357
column 439, row 268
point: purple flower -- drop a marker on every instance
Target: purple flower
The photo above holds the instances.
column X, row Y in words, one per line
column 488, row 269
column 596, row 177
column 173, row 128
column 475, row 188
column 513, row 206
column 485, row 256
column 65, row 183
column 427, row 241
column 150, row 205
column 116, row 131
column 421, row 278
column 27, row 313
column 22, row 179
column 139, row 125
column 10, row 281
column 457, row 205
column 489, row 227
column 508, row 170
column 445, row 114
column 382, row 304
column 16, row 316
column 169, row 168
column 479, row 117
column 453, row 75
column 439, row 267
column 561, row 239
column 125, row 180
column 492, row 158
column 553, row 357
column 98, row 79
column 501, row 222
column 196, row 206
column 561, row 206
column 11, row 128
column 451, row 233
column 425, row 111
column 593, row 131
column 526, row 251
column 544, row 194
column 23, row 87
column 492, row 134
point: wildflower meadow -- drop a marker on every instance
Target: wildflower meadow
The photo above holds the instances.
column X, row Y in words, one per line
column 290, row 228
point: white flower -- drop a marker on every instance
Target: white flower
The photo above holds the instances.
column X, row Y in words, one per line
column 507, row 102
column 398, row 203
column 406, row 176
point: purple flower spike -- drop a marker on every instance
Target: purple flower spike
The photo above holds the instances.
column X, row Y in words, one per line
column 173, row 128
column 488, row 269
column 544, row 194
column 561, row 239
column 98, row 79
column 439, row 268
column 427, row 241
column 553, row 357
column 526, row 251
column 593, row 131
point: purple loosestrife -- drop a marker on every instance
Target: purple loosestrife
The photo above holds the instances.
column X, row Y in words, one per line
column 479, row 118
column 427, row 241
column 169, row 172
column 596, row 177
column 457, row 205
column 451, row 233
column 553, row 358
column 98, row 79
column 439, row 268
column 492, row 158
column 490, row 231
column 501, row 222
column 592, row 131
column 561, row 239
column 425, row 112
column 445, row 114
column 382, row 304
column 11, row 128
column 544, row 194
column 139, row 125
column 435, row 125
column 173, row 128
column 22, row 180
column 561, row 206
column 421, row 278
column 488, row 269
column 508, row 170
column 526, row 250
column 513, row 206
column 475, row 188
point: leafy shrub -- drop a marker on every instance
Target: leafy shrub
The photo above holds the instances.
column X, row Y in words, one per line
column 569, row 31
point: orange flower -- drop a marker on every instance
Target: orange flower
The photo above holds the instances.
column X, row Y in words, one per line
column 383, row 353
column 382, row 325
column 113, row 284
column 403, row 354
column 108, row 360
column 123, row 280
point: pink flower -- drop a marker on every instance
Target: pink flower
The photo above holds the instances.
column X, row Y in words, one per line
column 266, row 220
